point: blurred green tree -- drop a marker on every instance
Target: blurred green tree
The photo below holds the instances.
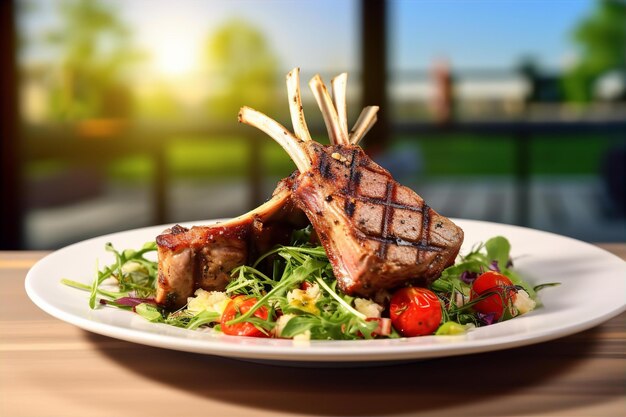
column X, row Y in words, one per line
column 243, row 70
column 160, row 104
column 95, row 55
column 602, row 40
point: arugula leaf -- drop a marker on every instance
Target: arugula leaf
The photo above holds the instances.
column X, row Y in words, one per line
column 498, row 249
column 139, row 278
column 94, row 288
column 203, row 318
column 298, row 325
column 149, row 312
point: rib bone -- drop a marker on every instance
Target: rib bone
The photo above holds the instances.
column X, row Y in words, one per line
column 295, row 105
column 339, row 85
column 364, row 123
column 335, row 133
column 292, row 145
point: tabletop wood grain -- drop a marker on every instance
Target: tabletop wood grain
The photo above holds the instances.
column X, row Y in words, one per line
column 50, row 368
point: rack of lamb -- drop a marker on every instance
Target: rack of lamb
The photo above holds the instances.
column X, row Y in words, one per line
column 378, row 234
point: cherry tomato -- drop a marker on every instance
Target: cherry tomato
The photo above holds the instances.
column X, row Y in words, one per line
column 415, row 311
column 235, row 308
column 503, row 290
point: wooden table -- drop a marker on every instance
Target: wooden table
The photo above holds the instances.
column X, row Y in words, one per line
column 50, row 368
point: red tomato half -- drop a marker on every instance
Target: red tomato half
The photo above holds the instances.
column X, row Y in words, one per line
column 235, row 308
column 503, row 293
column 415, row 311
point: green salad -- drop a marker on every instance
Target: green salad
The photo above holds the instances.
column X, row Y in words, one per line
column 291, row 292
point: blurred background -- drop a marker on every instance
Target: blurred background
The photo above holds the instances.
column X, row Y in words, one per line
column 121, row 114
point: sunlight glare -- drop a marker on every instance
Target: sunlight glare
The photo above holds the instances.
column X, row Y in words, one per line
column 175, row 56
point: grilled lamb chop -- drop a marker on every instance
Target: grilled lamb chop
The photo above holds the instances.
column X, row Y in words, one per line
column 377, row 233
column 203, row 256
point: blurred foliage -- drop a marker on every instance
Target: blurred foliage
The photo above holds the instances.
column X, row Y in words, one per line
column 203, row 159
column 602, row 39
column 458, row 155
column 160, row 104
column 96, row 54
column 244, row 70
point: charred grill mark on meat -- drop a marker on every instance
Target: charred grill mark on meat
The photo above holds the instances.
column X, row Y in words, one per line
column 355, row 175
column 324, row 166
column 349, row 208
column 391, row 239
column 425, row 224
column 386, row 218
column 354, row 178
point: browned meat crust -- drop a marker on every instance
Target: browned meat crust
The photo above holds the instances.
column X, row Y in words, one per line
column 200, row 257
column 204, row 256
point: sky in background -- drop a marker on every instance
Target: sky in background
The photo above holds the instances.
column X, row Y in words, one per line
column 323, row 34
column 484, row 33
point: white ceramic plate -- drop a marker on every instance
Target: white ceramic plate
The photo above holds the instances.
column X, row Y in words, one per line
column 592, row 290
